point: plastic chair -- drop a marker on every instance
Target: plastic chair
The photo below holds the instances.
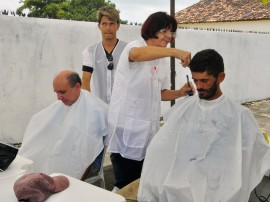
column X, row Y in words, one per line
column 99, row 176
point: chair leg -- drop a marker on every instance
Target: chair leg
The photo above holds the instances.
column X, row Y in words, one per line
column 99, row 176
column 102, row 183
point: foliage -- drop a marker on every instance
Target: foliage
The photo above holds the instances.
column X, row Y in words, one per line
column 85, row 10
column 265, row 2
column 8, row 12
column 4, row 12
column 81, row 10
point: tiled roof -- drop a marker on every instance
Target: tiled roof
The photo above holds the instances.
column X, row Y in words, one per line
column 223, row 11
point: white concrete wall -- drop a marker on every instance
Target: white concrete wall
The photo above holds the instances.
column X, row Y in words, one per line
column 246, row 57
column 33, row 50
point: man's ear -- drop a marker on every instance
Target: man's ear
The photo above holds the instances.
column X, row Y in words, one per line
column 77, row 85
column 221, row 77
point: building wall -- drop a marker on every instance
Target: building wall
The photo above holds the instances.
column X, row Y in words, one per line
column 249, row 26
column 32, row 50
column 246, row 59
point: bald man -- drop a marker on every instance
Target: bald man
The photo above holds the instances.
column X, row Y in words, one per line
column 67, row 136
column 67, row 86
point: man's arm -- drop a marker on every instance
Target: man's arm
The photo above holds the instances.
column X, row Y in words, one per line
column 147, row 53
column 86, row 78
column 168, row 95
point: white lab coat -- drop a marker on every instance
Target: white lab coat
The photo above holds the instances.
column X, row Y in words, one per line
column 207, row 151
column 66, row 139
column 102, row 79
column 134, row 111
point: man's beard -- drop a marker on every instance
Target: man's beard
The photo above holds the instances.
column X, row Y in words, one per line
column 208, row 93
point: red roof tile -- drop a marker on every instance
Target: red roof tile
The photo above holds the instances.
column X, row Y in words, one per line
column 223, row 11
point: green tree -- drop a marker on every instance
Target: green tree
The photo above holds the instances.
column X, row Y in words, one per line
column 81, row 10
column 85, row 10
column 4, row 12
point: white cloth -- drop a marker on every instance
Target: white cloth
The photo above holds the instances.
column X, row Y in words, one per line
column 82, row 192
column 207, row 151
column 66, row 139
column 102, row 79
column 134, row 111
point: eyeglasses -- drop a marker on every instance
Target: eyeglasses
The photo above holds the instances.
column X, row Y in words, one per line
column 110, row 65
column 166, row 32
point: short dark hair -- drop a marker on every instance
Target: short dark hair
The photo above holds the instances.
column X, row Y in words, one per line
column 155, row 22
column 207, row 60
column 74, row 78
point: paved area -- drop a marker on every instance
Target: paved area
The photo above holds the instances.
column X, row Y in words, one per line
column 261, row 111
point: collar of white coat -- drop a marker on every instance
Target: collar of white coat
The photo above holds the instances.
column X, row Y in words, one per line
column 211, row 103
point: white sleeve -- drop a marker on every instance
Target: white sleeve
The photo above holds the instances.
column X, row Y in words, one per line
column 88, row 57
column 166, row 79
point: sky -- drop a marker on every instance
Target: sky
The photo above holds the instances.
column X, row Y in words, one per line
column 139, row 10
column 131, row 10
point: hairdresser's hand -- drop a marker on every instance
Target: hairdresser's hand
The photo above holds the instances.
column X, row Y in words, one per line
column 184, row 56
column 185, row 88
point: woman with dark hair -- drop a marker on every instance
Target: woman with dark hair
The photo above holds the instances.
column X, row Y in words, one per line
column 142, row 80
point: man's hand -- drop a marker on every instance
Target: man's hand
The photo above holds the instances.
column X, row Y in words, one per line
column 185, row 88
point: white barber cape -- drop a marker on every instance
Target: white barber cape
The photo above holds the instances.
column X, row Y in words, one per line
column 207, row 151
column 66, row 139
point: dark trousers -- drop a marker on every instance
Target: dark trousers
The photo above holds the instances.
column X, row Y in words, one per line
column 125, row 170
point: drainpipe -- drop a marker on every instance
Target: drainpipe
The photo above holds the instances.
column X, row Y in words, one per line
column 173, row 73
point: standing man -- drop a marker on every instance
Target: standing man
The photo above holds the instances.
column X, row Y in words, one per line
column 100, row 59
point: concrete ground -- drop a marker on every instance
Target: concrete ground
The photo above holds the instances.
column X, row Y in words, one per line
column 261, row 111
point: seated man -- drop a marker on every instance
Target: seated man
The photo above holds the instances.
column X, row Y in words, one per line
column 210, row 149
column 67, row 136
